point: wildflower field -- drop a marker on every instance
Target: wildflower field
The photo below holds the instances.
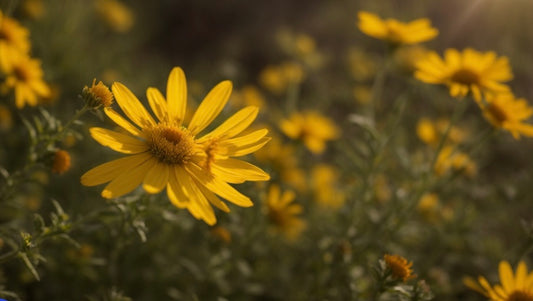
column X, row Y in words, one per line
column 266, row 150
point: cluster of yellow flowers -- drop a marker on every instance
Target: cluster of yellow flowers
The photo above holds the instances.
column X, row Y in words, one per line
column 483, row 75
column 22, row 73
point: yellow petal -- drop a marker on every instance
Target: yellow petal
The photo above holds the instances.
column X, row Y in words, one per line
column 238, row 171
column 156, row 178
column 198, row 201
column 177, row 95
column 242, row 150
column 118, row 141
column 472, row 284
column 521, row 275
column 218, row 186
column 126, row 182
column 213, row 199
column 121, row 121
column 506, row 276
column 210, row 107
column 175, row 192
column 234, row 125
column 131, row 106
column 108, row 171
column 157, row 103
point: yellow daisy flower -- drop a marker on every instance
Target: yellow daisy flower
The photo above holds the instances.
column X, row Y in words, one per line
column 394, row 31
column 506, row 112
column 324, row 179
column 118, row 16
column 24, row 75
column 164, row 153
column 513, row 287
column 284, row 214
column 451, row 159
column 312, row 128
column 399, row 267
column 13, row 35
column 466, row 71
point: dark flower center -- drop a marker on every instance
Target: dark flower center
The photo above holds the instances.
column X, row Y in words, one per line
column 466, row 77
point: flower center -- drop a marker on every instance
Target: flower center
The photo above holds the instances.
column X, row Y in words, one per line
column 497, row 113
column 465, row 76
column 22, row 73
column 170, row 144
column 520, row 296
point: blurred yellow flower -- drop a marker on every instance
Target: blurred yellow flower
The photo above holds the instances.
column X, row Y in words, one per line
column 407, row 57
column 469, row 71
column 97, row 95
column 164, row 153
column 394, row 31
column 282, row 158
column 118, row 16
column 505, row 112
column 312, row 128
column 449, row 158
column 362, row 65
column 428, row 206
column 61, row 162
column 34, row 9
column 283, row 213
column 221, row 233
column 249, row 96
column 6, row 119
column 430, row 131
column 362, row 94
column 516, row 286
column 382, row 189
column 399, row 267
column 277, row 79
column 13, row 35
column 24, row 75
column 324, row 181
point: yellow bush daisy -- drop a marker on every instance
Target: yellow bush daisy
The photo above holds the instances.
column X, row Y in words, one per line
column 118, row 16
column 283, row 213
column 24, row 76
column 394, row 31
column 466, row 71
column 312, row 128
column 164, row 153
column 513, row 287
column 13, row 35
column 505, row 112
column 399, row 267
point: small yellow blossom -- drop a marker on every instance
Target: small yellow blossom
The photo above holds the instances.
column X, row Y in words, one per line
column 24, row 76
column 312, row 128
column 516, row 286
column 33, row 202
column 277, row 79
column 428, row 206
column 362, row 94
column 282, row 158
column 399, row 267
column 394, row 31
column 466, row 71
column 6, row 119
column 430, row 131
column 505, row 112
column 13, row 36
column 382, row 190
column 118, row 16
column 98, row 95
column 449, row 158
column 283, row 213
column 362, row 66
column 407, row 57
column 249, row 96
column 221, row 233
column 324, row 181
column 61, row 162
column 34, row 9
